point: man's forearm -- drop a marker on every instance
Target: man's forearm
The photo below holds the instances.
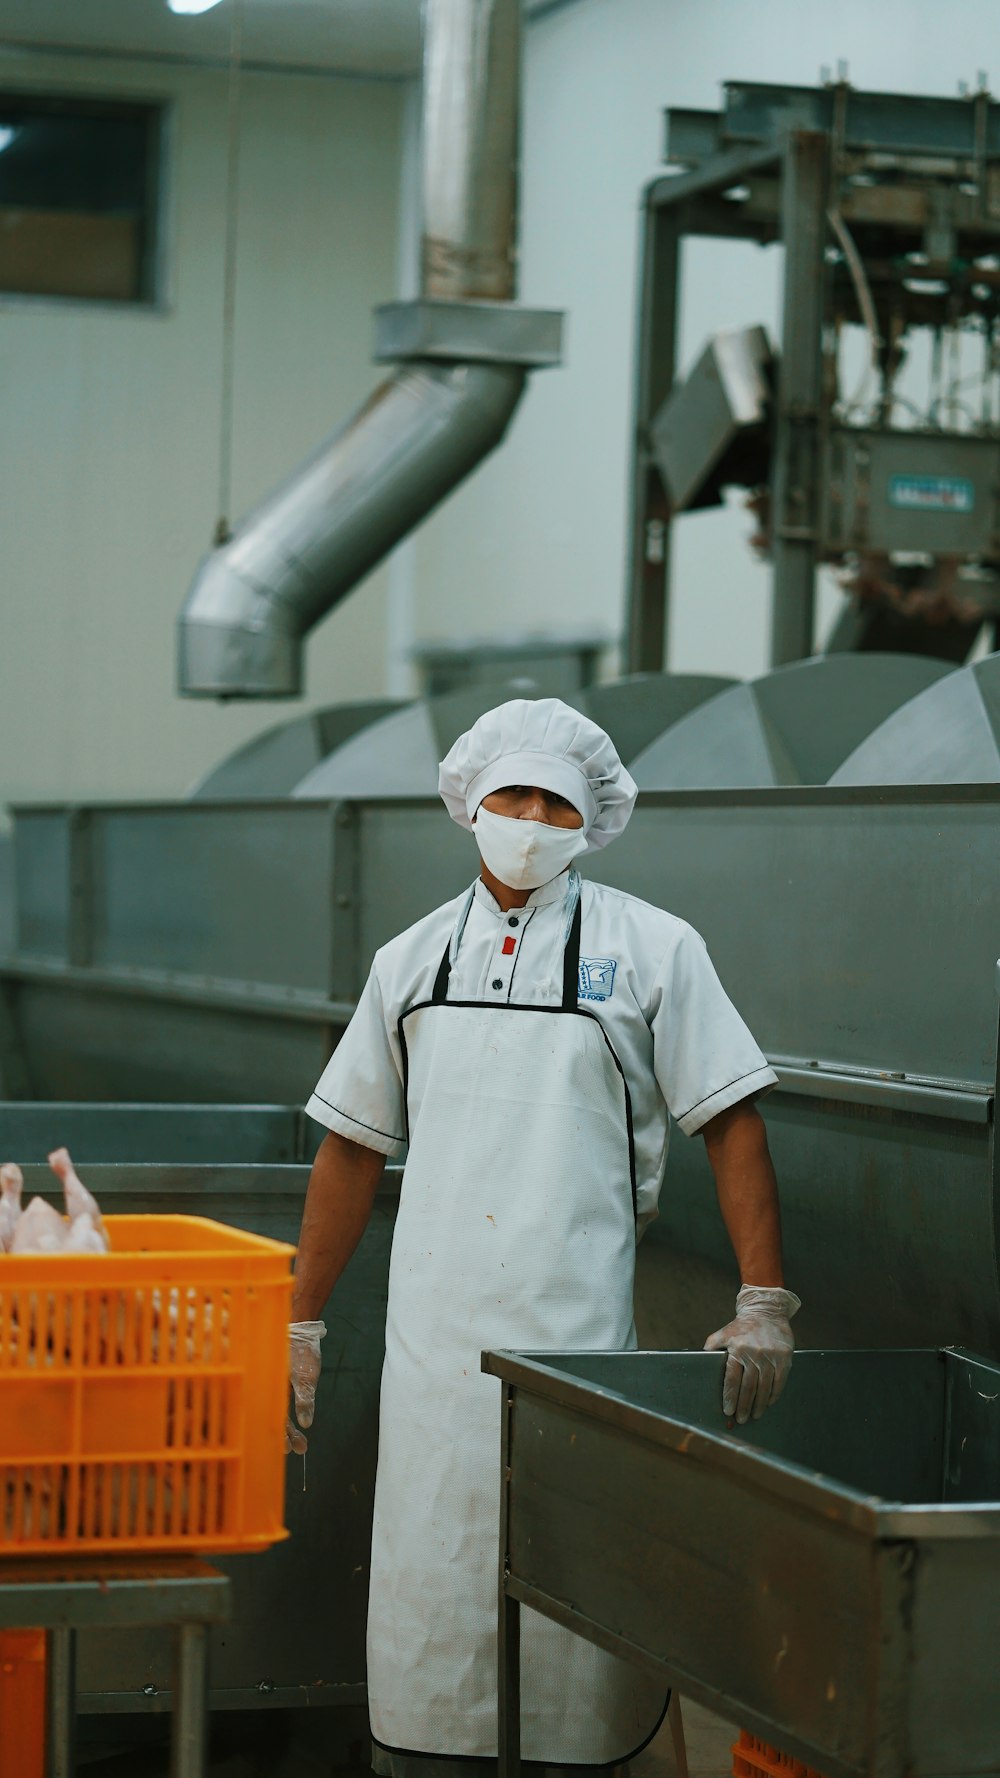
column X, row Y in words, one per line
column 736, row 1141
column 339, row 1200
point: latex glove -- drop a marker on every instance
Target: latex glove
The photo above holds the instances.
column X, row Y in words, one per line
column 760, row 1344
column 305, row 1361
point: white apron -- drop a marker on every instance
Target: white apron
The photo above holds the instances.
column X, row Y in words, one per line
column 516, row 1229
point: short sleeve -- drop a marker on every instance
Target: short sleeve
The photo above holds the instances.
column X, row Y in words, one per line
column 360, row 1092
column 704, row 1058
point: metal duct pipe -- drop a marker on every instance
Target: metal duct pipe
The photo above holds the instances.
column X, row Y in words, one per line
column 256, row 597
column 470, row 128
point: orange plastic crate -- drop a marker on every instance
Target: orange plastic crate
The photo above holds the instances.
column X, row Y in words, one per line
column 754, row 1758
column 22, row 1703
column 143, row 1392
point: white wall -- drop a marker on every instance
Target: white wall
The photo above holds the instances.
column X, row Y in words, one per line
column 538, row 537
column 109, row 442
column 108, row 451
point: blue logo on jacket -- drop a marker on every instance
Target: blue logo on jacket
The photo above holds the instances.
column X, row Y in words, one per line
column 597, row 977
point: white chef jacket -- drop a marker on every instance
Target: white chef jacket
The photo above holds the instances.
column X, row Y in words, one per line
column 647, row 975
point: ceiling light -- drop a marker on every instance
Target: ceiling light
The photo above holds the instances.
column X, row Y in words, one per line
column 7, row 134
column 189, row 6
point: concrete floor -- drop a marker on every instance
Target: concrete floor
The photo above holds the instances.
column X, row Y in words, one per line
column 708, row 1741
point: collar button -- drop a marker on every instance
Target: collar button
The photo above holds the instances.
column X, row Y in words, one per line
column 513, row 921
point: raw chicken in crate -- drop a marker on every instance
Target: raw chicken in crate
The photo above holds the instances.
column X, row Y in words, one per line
column 143, row 1378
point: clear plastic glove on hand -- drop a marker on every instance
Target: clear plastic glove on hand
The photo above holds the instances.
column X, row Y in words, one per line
column 304, row 1364
column 760, row 1344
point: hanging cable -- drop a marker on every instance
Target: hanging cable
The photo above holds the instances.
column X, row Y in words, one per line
column 223, row 530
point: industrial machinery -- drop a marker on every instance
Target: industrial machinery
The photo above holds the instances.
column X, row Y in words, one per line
column 888, row 211
column 180, row 972
column 212, row 950
column 206, row 954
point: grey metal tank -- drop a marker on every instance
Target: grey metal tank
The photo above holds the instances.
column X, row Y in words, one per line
column 949, row 735
column 792, row 726
column 271, row 764
column 399, row 755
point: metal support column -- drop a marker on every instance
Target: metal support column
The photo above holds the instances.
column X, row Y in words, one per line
column 797, row 457
column 61, row 1693
column 508, row 1625
column 189, row 1729
column 649, row 525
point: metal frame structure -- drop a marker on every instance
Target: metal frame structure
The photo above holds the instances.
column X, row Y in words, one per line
column 62, row 1598
column 914, row 172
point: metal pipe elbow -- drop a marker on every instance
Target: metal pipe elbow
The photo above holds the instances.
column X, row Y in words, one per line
column 295, row 556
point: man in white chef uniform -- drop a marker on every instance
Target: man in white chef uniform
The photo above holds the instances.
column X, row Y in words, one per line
column 524, row 1045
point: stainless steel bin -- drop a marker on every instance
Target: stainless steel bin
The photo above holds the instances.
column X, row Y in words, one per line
column 828, row 1577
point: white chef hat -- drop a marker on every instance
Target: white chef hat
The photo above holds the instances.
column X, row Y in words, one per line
column 540, row 741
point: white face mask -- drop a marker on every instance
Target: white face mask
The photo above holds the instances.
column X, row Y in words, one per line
column 525, row 854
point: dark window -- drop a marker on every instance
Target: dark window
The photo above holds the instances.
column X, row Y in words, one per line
column 79, row 188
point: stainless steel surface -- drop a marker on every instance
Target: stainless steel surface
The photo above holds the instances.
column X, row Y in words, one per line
column 238, row 902
column 722, row 401
column 814, row 904
column 399, row 756
column 847, row 888
column 949, row 735
column 6, row 892
column 473, row 332
column 889, row 1216
column 57, row 1594
column 828, row 1577
column 274, row 762
column 635, row 709
column 793, row 726
column 471, row 140
column 180, row 1134
column 255, row 598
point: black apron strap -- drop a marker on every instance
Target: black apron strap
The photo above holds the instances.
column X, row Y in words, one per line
column 439, row 992
column 571, row 962
column 571, row 967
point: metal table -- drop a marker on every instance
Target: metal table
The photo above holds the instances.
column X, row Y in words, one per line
column 827, row 1577
column 62, row 1597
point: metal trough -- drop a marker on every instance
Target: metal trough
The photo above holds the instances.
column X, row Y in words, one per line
column 828, row 1577
column 814, row 904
